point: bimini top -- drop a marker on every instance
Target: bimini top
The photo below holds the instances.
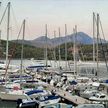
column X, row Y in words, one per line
column 37, row 66
column 34, row 91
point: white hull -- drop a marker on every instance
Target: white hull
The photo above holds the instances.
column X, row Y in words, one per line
column 99, row 99
column 12, row 97
column 90, row 106
column 49, row 102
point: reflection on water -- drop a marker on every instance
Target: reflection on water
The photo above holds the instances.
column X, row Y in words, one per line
column 4, row 104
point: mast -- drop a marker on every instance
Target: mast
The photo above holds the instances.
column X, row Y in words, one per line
column 54, row 50
column 46, row 59
column 75, row 63
column 8, row 25
column 0, row 39
column 66, row 46
column 93, row 36
column 94, row 41
column 0, row 45
column 59, row 47
column 22, row 50
column 7, row 43
column 0, row 4
column 97, row 43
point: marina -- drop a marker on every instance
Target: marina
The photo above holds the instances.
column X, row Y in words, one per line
column 67, row 71
column 66, row 96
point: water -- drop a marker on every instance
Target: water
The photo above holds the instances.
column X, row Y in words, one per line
column 9, row 104
column 82, row 67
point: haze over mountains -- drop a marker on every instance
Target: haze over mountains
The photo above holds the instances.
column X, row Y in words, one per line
column 81, row 37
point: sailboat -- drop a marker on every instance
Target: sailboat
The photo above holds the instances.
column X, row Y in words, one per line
column 14, row 93
column 4, row 66
column 71, row 74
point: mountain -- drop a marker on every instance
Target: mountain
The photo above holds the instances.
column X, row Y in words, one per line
column 81, row 37
column 41, row 41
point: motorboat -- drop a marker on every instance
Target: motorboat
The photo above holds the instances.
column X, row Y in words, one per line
column 11, row 69
column 35, row 93
column 59, row 105
column 99, row 97
column 24, row 103
column 13, row 95
column 47, row 100
column 88, row 93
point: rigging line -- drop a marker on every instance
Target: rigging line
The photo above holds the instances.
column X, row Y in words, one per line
column 104, row 54
column 3, row 15
column 13, row 52
column 14, row 16
column 103, row 47
column 102, row 29
column 103, row 34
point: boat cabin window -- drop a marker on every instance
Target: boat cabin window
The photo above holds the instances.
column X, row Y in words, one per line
column 103, row 96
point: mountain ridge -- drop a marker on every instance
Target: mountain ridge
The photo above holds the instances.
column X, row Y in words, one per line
column 81, row 37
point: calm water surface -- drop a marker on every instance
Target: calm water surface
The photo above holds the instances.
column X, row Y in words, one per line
column 4, row 104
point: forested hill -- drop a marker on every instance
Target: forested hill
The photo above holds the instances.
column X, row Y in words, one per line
column 84, row 51
column 29, row 51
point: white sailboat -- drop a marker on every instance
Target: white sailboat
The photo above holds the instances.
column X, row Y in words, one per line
column 15, row 93
column 6, row 67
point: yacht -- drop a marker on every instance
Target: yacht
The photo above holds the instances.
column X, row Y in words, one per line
column 26, row 103
column 59, row 105
column 11, row 69
column 88, row 93
column 35, row 93
column 47, row 100
column 13, row 95
column 90, row 106
column 99, row 97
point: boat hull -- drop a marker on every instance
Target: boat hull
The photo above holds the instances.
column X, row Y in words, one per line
column 12, row 97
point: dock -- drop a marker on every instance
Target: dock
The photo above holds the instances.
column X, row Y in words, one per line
column 68, row 96
column 74, row 99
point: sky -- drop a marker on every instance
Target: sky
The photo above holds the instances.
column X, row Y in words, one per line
column 54, row 13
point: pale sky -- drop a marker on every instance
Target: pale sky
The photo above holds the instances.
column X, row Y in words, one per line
column 55, row 13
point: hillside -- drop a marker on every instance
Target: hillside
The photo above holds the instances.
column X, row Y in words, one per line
column 84, row 51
